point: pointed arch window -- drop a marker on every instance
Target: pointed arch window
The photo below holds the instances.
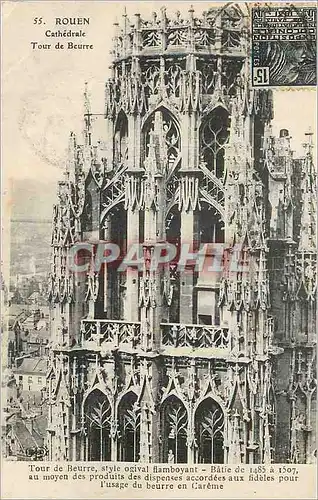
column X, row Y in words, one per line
column 209, row 430
column 161, row 134
column 174, row 430
column 151, row 78
column 173, row 78
column 98, row 425
column 129, row 429
column 214, row 135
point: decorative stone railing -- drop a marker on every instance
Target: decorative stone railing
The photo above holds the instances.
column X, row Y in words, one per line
column 97, row 333
column 216, row 31
column 194, row 336
column 107, row 334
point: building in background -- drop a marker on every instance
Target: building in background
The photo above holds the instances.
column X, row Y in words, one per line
column 173, row 363
column 30, row 374
column 24, row 420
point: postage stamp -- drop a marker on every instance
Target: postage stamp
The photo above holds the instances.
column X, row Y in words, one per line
column 284, row 46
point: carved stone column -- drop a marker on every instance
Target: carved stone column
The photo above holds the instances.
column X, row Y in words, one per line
column 131, row 306
column 189, row 244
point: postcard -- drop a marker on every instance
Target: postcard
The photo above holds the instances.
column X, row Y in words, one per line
column 159, row 272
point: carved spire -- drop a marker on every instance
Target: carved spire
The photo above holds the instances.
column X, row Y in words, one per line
column 306, row 256
column 308, row 223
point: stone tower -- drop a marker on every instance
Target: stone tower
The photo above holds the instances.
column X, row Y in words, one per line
column 206, row 357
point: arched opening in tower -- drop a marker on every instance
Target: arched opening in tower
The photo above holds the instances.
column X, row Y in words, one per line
column 116, row 282
column 211, row 225
column 98, row 424
column 129, row 429
column 214, row 134
column 174, row 423
column 209, row 432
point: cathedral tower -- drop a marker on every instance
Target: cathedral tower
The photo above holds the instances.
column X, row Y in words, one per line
column 158, row 359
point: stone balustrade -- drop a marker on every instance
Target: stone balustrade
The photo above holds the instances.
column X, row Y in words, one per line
column 195, row 336
column 107, row 333
column 97, row 333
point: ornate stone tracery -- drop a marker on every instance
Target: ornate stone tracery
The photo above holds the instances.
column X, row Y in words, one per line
column 179, row 365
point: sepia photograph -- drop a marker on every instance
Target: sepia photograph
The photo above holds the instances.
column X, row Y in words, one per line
column 159, row 223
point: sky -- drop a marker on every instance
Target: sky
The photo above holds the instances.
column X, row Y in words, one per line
column 43, row 89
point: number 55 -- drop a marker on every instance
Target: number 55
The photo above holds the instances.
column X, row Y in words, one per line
column 37, row 20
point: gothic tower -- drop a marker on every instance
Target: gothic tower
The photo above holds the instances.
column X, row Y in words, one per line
column 183, row 359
